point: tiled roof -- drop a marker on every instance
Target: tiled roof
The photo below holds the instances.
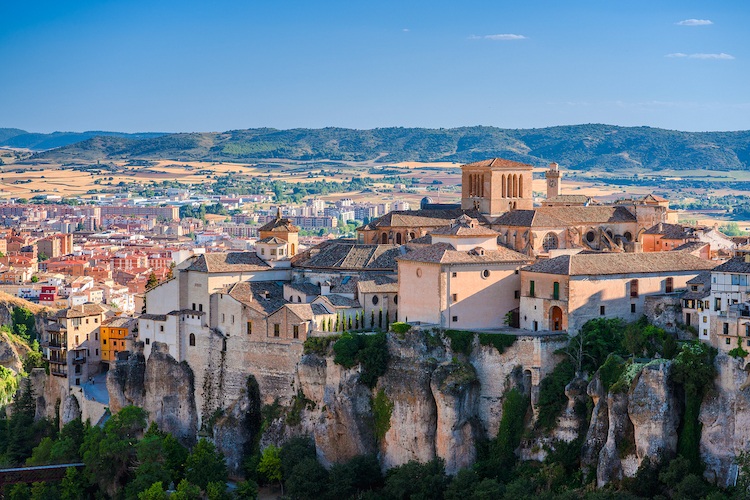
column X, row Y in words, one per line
column 464, row 226
column 422, row 240
column 348, row 256
column 423, row 218
column 339, row 301
column 703, row 278
column 690, row 246
column 280, row 225
column 570, row 198
column 499, row 163
column 227, row 262
column 344, row 284
column 592, row 264
column 540, row 217
column 263, row 296
column 272, row 240
column 319, row 309
column 302, row 311
column 444, row 253
column 736, row 265
column 153, row 317
column 120, row 322
column 378, row 284
column 668, row 231
column 306, row 287
column 81, row 311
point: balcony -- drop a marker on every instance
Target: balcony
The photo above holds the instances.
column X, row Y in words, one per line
column 58, row 370
column 79, row 361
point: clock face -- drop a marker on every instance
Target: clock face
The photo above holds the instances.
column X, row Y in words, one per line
column 552, row 183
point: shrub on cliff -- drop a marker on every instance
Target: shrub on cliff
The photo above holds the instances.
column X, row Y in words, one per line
column 499, row 341
column 371, row 351
column 415, row 480
column 461, row 341
column 500, row 454
column 552, row 398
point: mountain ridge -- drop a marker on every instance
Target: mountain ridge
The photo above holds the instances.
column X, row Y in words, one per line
column 587, row 146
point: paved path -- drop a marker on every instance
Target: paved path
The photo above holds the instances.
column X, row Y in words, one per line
column 97, row 389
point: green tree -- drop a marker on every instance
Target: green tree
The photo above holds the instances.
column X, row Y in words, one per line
column 153, row 492
column 72, row 486
column 205, row 464
column 415, row 480
column 152, row 282
column 19, row 491
column 246, row 490
column 358, row 475
column 44, row 491
column 270, row 465
column 186, row 491
column 307, row 480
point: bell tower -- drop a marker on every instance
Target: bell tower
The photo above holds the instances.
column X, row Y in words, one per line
column 495, row 186
column 553, row 176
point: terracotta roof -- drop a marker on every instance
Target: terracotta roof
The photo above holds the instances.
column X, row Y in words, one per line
column 339, row 301
column 499, row 163
column 669, row 231
column 227, row 262
column 422, row 240
column 570, row 198
column 594, row 264
column 265, row 297
column 444, row 253
column 736, row 265
column 530, row 218
column 690, row 246
column 655, row 197
column 302, row 311
column 120, row 322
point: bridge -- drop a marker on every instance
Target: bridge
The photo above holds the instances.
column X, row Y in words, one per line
column 39, row 473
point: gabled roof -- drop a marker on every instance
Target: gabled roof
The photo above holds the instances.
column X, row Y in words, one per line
column 579, row 199
column 227, row 262
column 530, row 218
column 499, row 163
column 422, row 218
column 81, row 311
column 669, row 231
column 444, row 253
column 595, row 264
column 272, row 240
column 703, row 278
column 378, row 284
column 304, row 287
column 465, row 226
column 280, row 225
column 265, row 297
column 348, row 256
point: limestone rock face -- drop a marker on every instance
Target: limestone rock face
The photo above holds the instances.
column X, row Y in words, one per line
column 598, row 430
column 162, row 386
column 70, row 410
column 237, row 428
column 654, row 410
column 414, row 417
column 572, row 419
column 12, row 353
column 725, row 415
column 341, row 421
column 170, row 394
column 456, row 391
column 619, row 433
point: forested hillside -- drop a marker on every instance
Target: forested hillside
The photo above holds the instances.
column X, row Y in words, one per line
column 577, row 146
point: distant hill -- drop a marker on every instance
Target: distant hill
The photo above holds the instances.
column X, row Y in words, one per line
column 577, row 146
column 16, row 138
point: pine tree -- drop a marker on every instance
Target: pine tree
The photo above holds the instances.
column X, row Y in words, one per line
column 380, row 318
column 387, row 321
column 350, row 322
column 372, row 319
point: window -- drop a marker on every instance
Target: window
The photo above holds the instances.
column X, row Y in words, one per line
column 273, row 251
column 632, row 308
column 536, row 325
column 705, row 319
column 375, row 300
column 486, row 273
column 747, row 329
column 395, row 299
column 223, row 319
column 161, row 328
column 249, row 327
column 148, row 341
column 531, row 289
column 276, row 330
column 601, row 310
column 262, row 251
column 634, row 289
column 726, row 341
column 517, row 294
column 194, row 306
column 717, row 304
column 455, row 319
column 556, row 290
column 299, row 299
column 77, row 339
column 454, row 275
column 192, row 339
column 419, row 272
column 200, row 307
column 454, row 297
column 96, row 335
column 96, row 352
column 669, row 285
column 726, row 328
column 296, row 331
column 87, row 321
column 96, row 320
column 232, row 318
column 549, row 242
column 104, row 341
column 590, row 236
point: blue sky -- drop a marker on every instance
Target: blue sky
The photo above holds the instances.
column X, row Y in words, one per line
column 212, row 66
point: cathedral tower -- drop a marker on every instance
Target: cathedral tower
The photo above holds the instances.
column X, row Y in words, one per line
column 553, row 176
column 496, row 186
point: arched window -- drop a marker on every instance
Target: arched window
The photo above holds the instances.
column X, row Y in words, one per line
column 549, row 242
column 412, row 235
column 192, row 339
column 398, row 238
column 628, row 236
column 384, row 238
column 590, row 236
column 503, row 185
column 395, row 299
column 375, row 300
column 520, row 186
column 299, row 299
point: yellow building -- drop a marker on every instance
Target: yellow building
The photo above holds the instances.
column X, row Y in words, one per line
column 116, row 336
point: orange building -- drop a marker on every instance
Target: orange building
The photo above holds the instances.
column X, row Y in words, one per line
column 117, row 336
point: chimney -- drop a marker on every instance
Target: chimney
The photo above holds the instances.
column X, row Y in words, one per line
column 325, row 288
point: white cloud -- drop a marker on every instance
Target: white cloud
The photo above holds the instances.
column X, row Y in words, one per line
column 721, row 55
column 406, row 30
column 502, row 36
column 694, row 22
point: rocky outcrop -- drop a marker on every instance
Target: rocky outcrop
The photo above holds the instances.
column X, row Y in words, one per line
column 161, row 386
column 340, row 420
column 12, row 353
column 235, row 432
column 70, row 410
column 725, row 416
column 619, row 440
column 598, row 431
column 573, row 417
column 455, row 389
column 654, row 409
